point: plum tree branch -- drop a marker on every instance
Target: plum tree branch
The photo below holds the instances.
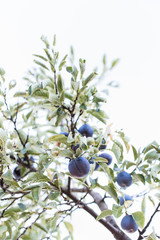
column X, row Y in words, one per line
column 109, row 223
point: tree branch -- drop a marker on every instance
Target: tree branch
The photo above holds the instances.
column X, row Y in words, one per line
column 108, row 223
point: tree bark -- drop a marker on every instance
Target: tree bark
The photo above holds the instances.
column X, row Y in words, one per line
column 108, row 222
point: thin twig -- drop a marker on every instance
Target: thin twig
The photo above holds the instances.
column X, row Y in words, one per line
column 149, row 222
column 26, row 228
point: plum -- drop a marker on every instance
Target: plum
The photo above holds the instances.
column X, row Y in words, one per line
column 64, row 133
column 91, row 161
column 17, row 173
column 128, row 224
column 86, row 130
column 106, row 156
column 124, row 179
column 79, row 167
column 124, row 198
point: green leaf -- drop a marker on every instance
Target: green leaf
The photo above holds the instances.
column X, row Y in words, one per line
column 69, row 69
column 117, row 210
column 139, row 218
column 152, row 236
column 58, row 138
column 8, row 178
column 62, row 63
column 48, row 54
column 104, row 213
column 41, row 93
column 41, row 227
column 41, row 57
column 3, row 228
column 37, row 177
column 104, row 60
column 115, row 62
column 59, row 84
column 69, row 96
column 54, row 40
column 2, row 71
column 150, row 146
column 93, row 182
column 35, row 194
column 41, row 64
column 19, row 94
column 89, row 78
column 157, row 148
column 134, row 152
column 129, row 164
column 82, row 90
column 143, row 205
column 111, row 189
column 117, row 151
column 23, row 135
column 12, row 84
column 82, row 66
column 54, row 99
column 101, row 159
column 66, row 153
column 139, row 177
column 1, row 103
column 62, row 96
column 69, row 227
column 99, row 114
column 125, row 139
column 45, row 40
column 9, row 228
column 53, row 195
column 22, row 206
column 151, row 200
column 152, row 155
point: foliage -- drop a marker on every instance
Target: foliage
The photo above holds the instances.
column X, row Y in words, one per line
column 60, row 97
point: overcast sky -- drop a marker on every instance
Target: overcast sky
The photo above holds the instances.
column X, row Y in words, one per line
column 124, row 29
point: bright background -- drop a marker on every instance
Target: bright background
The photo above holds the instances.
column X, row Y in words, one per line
column 124, row 29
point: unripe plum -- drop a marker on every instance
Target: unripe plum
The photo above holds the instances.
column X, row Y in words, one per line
column 128, row 224
column 79, row 167
column 124, row 179
column 86, row 130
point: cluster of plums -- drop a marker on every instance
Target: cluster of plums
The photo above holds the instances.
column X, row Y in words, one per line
column 80, row 167
column 128, row 223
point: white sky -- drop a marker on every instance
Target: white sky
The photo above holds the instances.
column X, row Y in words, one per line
column 124, row 29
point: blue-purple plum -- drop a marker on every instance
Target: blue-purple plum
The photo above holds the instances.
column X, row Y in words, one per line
column 64, row 133
column 102, row 147
column 128, row 224
column 32, row 159
column 79, row 167
column 106, row 156
column 124, row 198
column 17, row 173
column 124, row 179
column 74, row 147
column 92, row 162
column 86, row 130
